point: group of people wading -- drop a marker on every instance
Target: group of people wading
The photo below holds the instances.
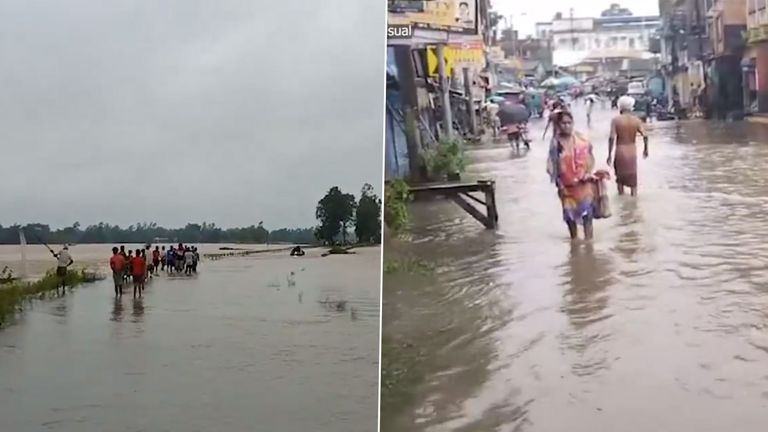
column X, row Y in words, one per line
column 146, row 263
column 571, row 163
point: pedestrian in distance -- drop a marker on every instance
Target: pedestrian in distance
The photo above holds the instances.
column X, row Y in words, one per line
column 196, row 255
column 170, row 260
column 139, row 271
column 63, row 262
column 570, row 165
column 146, row 253
column 117, row 264
column 590, row 102
column 129, row 266
column 189, row 260
column 155, row 259
column 624, row 130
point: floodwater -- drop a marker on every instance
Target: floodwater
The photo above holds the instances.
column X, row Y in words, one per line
column 237, row 348
column 90, row 256
column 660, row 324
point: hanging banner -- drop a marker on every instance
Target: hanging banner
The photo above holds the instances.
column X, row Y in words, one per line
column 454, row 16
column 457, row 56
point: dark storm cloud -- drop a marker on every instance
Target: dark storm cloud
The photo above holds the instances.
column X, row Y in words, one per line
column 175, row 111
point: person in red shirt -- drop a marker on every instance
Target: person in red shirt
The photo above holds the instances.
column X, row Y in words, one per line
column 139, row 269
column 117, row 264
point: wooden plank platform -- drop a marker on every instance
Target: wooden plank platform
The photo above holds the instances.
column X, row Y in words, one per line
column 459, row 192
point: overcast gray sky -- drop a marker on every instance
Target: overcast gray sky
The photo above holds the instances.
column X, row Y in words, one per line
column 187, row 110
column 526, row 14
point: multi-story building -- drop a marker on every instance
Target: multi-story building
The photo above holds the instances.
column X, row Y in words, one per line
column 685, row 47
column 755, row 59
column 600, row 45
column 727, row 28
column 544, row 30
column 702, row 47
column 532, row 50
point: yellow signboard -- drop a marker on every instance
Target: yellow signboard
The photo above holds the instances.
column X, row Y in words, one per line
column 456, row 56
column 455, row 16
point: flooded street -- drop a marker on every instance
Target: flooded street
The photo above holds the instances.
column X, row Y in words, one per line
column 661, row 324
column 237, row 348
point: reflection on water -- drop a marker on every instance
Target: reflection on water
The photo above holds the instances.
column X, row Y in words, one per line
column 138, row 310
column 117, row 310
column 661, row 323
column 222, row 351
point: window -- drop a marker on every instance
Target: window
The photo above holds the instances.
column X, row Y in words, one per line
column 597, row 43
column 631, row 43
column 419, row 57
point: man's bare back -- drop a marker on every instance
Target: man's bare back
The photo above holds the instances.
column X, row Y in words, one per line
column 625, row 128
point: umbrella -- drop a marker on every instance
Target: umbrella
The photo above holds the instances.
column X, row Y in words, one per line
column 511, row 113
column 506, row 88
column 549, row 82
column 567, row 81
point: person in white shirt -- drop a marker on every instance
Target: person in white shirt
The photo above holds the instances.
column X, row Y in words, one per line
column 590, row 101
column 63, row 261
column 147, row 254
column 189, row 260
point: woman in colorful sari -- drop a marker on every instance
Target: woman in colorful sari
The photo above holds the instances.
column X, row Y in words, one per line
column 570, row 165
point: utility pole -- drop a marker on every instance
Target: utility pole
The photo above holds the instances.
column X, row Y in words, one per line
column 470, row 102
column 573, row 40
column 410, row 106
column 444, row 92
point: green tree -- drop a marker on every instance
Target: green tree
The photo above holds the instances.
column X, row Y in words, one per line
column 335, row 212
column 147, row 232
column 368, row 216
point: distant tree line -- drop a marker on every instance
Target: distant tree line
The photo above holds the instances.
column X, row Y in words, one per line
column 148, row 232
column 343, row 220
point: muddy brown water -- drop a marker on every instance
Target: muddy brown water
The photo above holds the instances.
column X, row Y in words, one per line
column 235, row 348
column 91, row 256
column 661, row 323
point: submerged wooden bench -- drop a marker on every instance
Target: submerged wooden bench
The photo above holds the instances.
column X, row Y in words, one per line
column 460, row 193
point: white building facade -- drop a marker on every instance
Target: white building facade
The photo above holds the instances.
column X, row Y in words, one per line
column 580, row 40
